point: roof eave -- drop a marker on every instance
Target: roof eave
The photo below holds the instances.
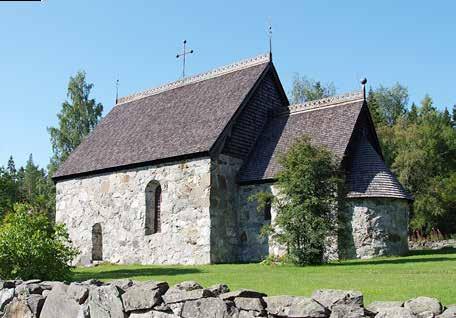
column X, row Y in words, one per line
column 195, row 155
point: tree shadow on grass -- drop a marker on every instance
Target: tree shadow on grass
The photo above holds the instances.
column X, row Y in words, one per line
column 404, row 260
column 134, row 272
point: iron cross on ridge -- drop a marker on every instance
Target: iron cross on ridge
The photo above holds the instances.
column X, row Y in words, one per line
column 183, row 54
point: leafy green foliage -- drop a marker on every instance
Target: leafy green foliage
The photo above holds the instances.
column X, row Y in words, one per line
column 33, row 247
column 33, row 185
column 419, row 145
column 388, row 104
column 305, row 90
column 29, row 185
column 77, row 119
column 309, row 184
column 8, row 191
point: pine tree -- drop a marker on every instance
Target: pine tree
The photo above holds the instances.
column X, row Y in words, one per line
column 454, row 116
column 374, row 109
column 11, row 167
column 412, row 115
column 446, row 117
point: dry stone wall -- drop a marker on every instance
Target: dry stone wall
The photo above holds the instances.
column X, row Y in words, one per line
column 116, row 201
column 152, row 299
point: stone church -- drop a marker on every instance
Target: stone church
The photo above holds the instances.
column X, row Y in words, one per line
column 165, row 177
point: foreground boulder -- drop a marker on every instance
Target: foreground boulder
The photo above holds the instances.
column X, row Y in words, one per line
column 204, row 308
column 59, row 305
column 291, row 306
column 450, row 312
column 377, row 306
column 18, row 308
column 78, row 292
column 152, row 314
column 332, row 297
column 143, row 296
column 6, row 295
column 420, row 305
column 395, row 312
column 174, row 295
column 104, row 302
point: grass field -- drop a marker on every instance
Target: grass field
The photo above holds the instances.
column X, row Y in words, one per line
column 425, row 273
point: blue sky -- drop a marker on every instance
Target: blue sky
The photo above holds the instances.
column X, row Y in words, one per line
column 43, row 44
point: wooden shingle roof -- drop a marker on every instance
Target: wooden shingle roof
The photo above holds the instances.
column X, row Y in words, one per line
column 183, row 118
column 329, row 122
column 369, row 176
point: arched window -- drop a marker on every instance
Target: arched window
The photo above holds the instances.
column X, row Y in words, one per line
column 97, row 242
column 153, row 208
column 267, row 211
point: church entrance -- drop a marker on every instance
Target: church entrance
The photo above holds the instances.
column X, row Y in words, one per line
column 97, row 242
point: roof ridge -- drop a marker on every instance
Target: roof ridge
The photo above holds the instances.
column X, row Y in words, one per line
column 326, row 102
column 222, row 70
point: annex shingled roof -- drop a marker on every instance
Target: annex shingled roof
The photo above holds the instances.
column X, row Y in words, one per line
column 177, row 119
column 329, row 122
column 370, row 177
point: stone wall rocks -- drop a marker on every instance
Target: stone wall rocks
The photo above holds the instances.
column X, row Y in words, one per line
column 130, row 299
column 375, row 227
column 117, row 202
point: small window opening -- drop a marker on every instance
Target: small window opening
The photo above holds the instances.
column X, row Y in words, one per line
column 153, row 208
column 267, row 211
column 97, row 242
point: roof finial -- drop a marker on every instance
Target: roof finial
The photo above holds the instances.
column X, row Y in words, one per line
column 363, row 85
column 270, row 39
column 117, row 89
column 183, row 54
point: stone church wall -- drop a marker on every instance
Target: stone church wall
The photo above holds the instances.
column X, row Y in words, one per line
column 375, row 227
column 370, row 227
column 117, row 202
column 223, row 211
column 252, row 246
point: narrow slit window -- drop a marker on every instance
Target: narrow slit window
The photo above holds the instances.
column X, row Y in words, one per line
column 97, row 242
column 267, row 211
column 153, row 208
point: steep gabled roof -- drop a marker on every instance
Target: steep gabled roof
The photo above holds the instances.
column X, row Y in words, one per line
column 329, row 122
column 369, row 176
column 179, row 119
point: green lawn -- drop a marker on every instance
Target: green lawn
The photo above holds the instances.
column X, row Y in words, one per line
column 425, row 273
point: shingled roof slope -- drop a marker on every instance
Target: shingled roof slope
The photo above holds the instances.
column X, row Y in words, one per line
column 370, row 177
column 177, row 119
column 329, row 122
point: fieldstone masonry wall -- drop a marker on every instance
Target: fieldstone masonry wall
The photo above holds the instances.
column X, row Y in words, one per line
column 128, row 299
column 206, row 217
column 252, row 246
column 223, row 209
column 117, row 201
column 375, row 227
column 369, row 227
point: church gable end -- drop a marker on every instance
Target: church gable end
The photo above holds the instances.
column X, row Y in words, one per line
column 267, row 98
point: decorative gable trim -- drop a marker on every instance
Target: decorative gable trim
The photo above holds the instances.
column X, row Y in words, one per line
column 323, row 103
column 237, row 66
